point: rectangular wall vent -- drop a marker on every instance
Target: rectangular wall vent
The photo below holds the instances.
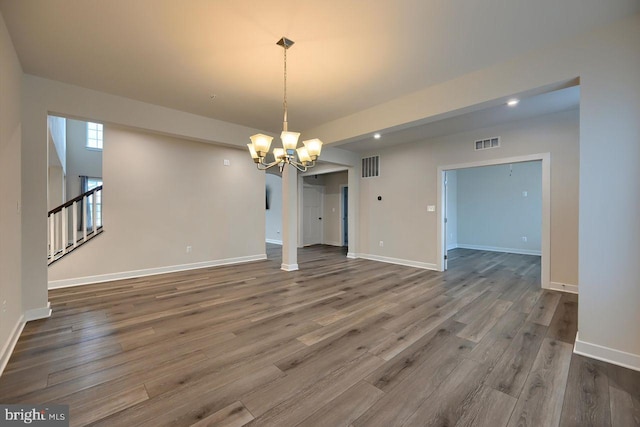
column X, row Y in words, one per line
column 485, row 144
column 370, row 166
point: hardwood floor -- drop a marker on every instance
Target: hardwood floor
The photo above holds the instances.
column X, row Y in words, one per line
column 340, row 342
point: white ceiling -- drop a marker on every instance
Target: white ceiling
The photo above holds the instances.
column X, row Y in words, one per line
column 349, row 54
column 545, row 103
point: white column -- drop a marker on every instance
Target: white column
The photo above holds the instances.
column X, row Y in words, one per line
column 289, row 218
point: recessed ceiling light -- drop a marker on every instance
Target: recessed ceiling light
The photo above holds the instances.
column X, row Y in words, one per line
column 513, row 102
column 377, row 135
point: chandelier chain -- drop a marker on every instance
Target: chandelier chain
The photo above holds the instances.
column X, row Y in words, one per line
column 284, row 103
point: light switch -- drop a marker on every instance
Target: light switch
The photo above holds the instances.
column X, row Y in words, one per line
column 525, row 194
column 227, row 162
column 431, row 208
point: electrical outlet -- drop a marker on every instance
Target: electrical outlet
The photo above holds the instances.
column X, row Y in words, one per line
column 525, row 194
column 524, row 239
column 4, row 306
column 381, row 243
column 189, row 249
column 226, row 162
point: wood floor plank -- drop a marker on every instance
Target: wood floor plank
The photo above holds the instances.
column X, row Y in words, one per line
column 447, row 406
column 491, row 348
column 344, row 408
column 625, row 408
column 511, row 371
column 294, row 408
column 81, row 415
column 408, row 361
column 491, row 409
column 189, row 405
column 340, row 341
column 478, row 328
column 545, row 308
column 405, row 395
column 540, row 403
column 564, row 324
column 527, row 301
column 234, row 415
column 586, row 402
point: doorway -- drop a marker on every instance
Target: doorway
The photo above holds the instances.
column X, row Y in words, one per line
column 312, row 214
column 444, row 214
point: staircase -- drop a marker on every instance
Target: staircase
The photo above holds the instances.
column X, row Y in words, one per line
column 74, row 223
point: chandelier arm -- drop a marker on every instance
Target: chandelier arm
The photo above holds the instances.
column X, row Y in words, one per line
column 266, row 166
column 299, row 166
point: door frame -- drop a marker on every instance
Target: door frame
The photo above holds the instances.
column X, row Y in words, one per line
column 545, row 158
column 342, row 216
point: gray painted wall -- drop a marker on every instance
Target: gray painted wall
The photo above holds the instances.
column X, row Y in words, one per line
column 164, row 194
column 408, row 185
column 494, row 214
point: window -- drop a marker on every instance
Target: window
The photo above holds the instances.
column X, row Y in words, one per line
column 88, row 184
column 94, row 136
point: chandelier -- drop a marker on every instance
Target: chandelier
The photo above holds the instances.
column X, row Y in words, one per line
column 260, row 143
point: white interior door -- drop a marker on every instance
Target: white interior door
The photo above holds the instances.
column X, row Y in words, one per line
column 312, row 215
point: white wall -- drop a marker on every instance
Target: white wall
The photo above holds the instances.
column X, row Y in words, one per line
column 56, row 184
column 408, row 184
column 58, row 133
column 452, row 209
column 163, row 195
column 493, row 213
column 11, row 299
column 42, row 96
column 607, row 64
column 273, row 215
column 80, row 160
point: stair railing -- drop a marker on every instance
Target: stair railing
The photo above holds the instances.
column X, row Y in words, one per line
column 67, row 231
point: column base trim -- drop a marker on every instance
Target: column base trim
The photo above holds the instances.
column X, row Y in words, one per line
column 289, row 267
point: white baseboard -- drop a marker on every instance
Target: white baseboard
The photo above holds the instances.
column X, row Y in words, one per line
column 606, row 354
column 563, row 287
column 275, row 242
column 38, row 313
column 65, row 283
column 352, row 255
column 452, row 247
column 406, row 262
column 7, row 348
column 289, row 267
column 498, row 249
column 333, row 243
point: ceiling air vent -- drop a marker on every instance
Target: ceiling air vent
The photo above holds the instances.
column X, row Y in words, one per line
column 485, row 144
column 371, row 166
